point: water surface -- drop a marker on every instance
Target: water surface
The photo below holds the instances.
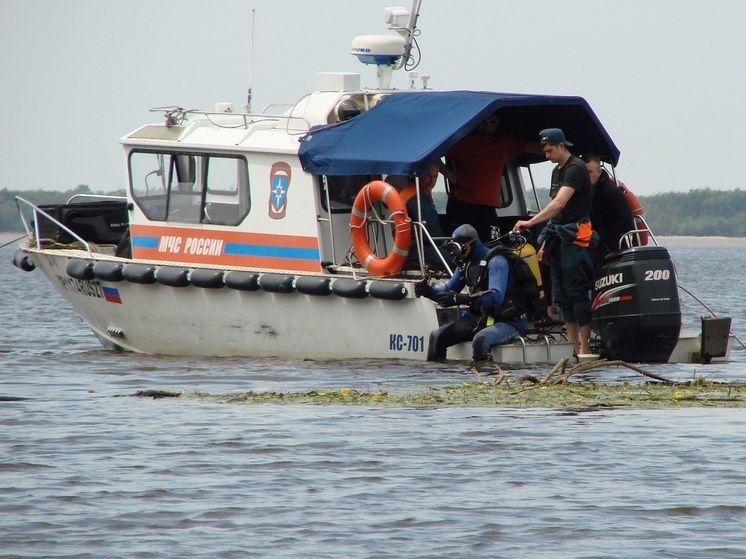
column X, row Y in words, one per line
column 88, row 471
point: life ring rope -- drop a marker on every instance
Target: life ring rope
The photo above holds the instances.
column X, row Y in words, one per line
column 380, row 191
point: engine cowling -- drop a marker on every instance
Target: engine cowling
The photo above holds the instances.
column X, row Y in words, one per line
column 635, row 311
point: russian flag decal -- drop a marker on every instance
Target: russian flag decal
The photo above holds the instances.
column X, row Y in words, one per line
column 111, row 294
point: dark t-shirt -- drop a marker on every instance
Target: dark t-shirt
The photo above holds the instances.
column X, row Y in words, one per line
column 575, row 175
column 610, row 213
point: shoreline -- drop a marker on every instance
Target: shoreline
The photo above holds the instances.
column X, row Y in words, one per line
column 701, row 241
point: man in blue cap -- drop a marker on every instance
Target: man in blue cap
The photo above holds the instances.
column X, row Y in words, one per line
column 495, row 309
column 568, row 238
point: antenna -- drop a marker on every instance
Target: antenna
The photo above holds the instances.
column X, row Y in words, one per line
column 251, row 61
column 407, row 32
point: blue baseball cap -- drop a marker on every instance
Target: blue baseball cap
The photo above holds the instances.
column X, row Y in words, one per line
column 554, row 136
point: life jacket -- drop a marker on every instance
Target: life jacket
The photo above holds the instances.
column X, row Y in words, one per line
column 525, row 294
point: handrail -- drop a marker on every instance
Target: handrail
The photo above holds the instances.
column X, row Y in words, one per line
column 626, row 240
column 36, row 230
column 629, row 235
column 432, row 243
column 250, row 121
column 416, row 224
column 176, row 116
column 266, row 108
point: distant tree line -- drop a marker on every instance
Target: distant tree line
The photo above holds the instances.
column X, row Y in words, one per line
column 697, row 213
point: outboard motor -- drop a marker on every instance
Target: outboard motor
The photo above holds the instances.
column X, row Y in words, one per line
column 635, row 310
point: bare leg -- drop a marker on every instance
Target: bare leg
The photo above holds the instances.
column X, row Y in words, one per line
column 572, row 336
column 585, row 339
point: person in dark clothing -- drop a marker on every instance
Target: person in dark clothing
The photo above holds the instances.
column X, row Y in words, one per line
column 611, row 215
column 494, row 316
column 568, row 238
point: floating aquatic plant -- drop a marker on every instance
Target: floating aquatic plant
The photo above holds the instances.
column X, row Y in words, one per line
column 584, row 395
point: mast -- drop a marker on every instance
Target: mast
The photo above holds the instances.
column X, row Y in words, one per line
column 251, row 61
column 408, row 33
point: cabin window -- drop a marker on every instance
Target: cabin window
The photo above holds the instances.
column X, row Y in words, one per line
column 226, row 198
column 190, row 187
column 534, row 202
column 340, row 191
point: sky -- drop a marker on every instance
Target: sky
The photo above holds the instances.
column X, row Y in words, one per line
column 666, row 77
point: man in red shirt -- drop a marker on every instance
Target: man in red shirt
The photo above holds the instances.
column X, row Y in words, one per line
column 475, row 179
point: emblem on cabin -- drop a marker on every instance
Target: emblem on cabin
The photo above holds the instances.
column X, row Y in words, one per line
column 279, row 179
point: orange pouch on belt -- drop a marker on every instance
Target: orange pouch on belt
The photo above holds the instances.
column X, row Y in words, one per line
column 583, row 236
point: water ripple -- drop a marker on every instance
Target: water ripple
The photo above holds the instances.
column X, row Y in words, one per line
column 87, row 472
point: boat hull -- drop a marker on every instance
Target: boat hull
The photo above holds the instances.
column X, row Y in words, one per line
column 149, row 307
column 141, row 309
column 190, row 320
column 689, row 349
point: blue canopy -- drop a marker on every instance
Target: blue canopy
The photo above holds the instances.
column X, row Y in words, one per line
column 404, row 132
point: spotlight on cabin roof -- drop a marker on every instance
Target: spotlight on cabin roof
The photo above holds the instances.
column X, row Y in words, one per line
column 347, row 109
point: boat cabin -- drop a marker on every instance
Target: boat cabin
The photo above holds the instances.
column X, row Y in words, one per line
column 276, row 191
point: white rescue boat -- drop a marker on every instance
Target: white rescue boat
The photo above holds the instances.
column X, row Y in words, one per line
column 236, row 236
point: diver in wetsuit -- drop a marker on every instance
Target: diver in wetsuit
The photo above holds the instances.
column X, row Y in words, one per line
column 495, row 314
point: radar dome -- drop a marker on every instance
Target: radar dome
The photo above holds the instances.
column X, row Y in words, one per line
column 381, row 50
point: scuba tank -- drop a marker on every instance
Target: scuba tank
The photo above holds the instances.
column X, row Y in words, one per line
column 635, row 309
column 528, row 254
column 527, row 289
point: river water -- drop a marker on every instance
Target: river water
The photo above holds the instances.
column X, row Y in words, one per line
column 88, row 471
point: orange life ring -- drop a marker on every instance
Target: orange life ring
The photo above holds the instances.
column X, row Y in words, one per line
column 632, row 201
column 641, row 237
column 379, row 191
